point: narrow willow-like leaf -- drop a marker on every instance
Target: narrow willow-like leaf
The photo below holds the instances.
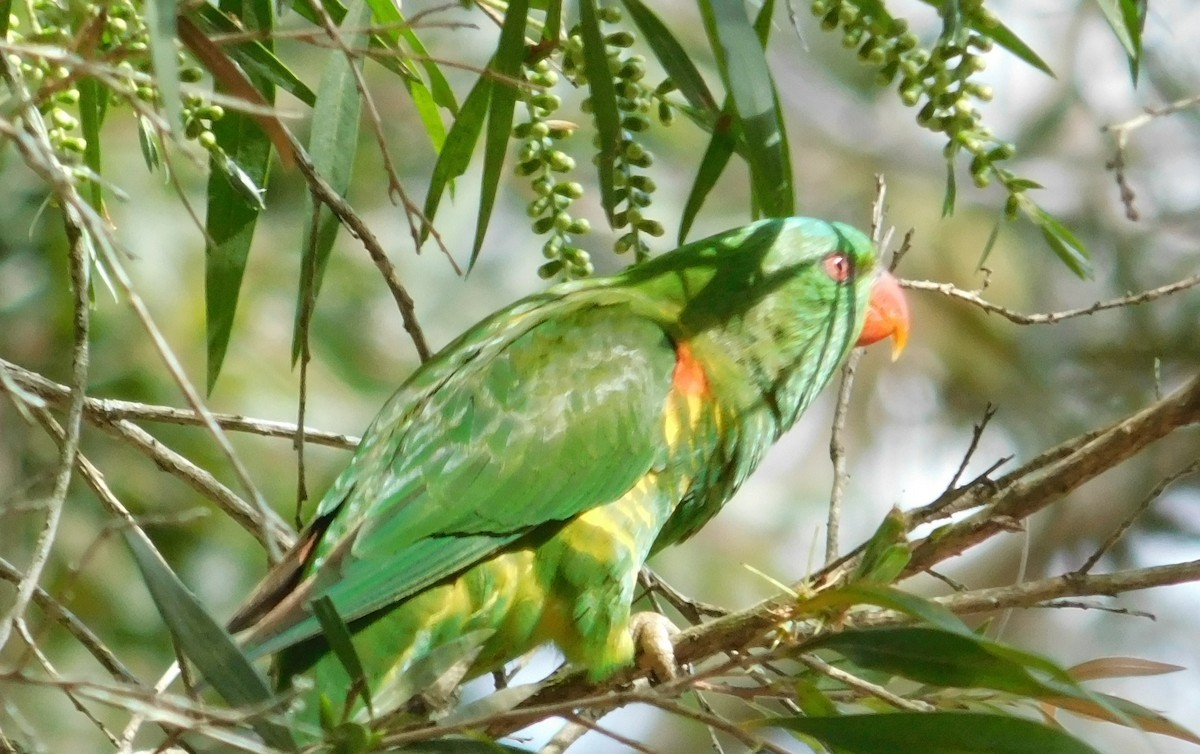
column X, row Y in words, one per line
column 1126, row 17
column 394, row 27
column 743, row 66
column 672, row 56
column 230, row 219
column 256, row 58
column 942, row 658
column 552, row 24
column 1004, row 36
column 933, row 733
column 160, row 28
column 439, row 87
column 716, row 157
column 455, row 155
column 332, row 145
column 506, row 64
column 726, row 140
column 93, row 102
column 603, row 96
column 203, row 641
column 337, row 633
column 1132, row 715
column 887, row 551
column 1062, row 241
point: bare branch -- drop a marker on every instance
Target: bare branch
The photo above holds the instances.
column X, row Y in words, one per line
column 110, row 410
column 37, row 143
column 1137, row 513
column 370, row 242
column 866, row 687
column 1121, row 132
column 947, row 289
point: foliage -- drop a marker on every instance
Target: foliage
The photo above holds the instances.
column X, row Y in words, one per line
column 845, row 660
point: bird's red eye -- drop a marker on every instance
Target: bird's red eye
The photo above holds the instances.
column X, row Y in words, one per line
column 839, row 266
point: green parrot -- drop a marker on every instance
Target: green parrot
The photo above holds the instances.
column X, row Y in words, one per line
column 519, row 479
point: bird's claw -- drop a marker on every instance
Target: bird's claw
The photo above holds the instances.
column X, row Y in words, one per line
column 653, row 635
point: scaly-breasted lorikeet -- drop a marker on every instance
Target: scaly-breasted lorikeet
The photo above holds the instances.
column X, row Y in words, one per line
column 518, row 480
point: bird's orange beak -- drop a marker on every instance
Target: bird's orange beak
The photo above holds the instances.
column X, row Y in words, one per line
column 887, row 315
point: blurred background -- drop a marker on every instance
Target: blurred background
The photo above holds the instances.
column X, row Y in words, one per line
column 910, row 422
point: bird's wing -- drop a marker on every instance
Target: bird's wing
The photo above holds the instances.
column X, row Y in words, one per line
column 524, row 432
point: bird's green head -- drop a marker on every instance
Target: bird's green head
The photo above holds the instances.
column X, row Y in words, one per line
column 787, row 298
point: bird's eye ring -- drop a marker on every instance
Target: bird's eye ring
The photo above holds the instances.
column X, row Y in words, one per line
column 839, row 266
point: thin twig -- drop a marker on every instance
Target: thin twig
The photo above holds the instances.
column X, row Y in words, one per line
column 111, row 410
column 1137, row 513
column 370, row 242
column 976, row 433
column 1049, row 318
column 866, row 687
column 1121, row 132
column 80, row 263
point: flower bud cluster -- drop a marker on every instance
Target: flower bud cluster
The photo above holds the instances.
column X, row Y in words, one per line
column 121, row 40
column 633, row 190
column 539, row 158
column 939, row 80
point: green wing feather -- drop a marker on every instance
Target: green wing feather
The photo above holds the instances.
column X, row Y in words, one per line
column 529, row 419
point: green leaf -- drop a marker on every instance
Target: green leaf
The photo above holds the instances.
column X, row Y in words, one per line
column 1061, row 240
column 949, row 659
column 338, row 635
column 203, row 641
column 455, row 155
column 1127, row 18
column 256, row 58
column 160, row 28
column 439, row 87
column 716, row 157
column 332, row 145
column 887, row 550
column 934, row 733
column 603, row 95
column 235, row 186
column 743, row 66
column 726, row 139
column 673, row 57
column 506, row 64
column 1003, row 36
column 93, row 102
column 881, row 595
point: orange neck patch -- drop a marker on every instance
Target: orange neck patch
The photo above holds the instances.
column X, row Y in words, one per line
column 689, row 378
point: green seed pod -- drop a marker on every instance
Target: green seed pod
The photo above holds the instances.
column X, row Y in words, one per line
column 207, row 139
column 550, row 269
column 643, row 183
column 620, row 39
column 561, row 162
column 542, row 225
column 579, row 227
column 651, row 228
column 609, row 14
column 570, row 189
column 63, row 119
column 635, row 123
column 1012, row 206
column 528, row 167
column 536, row 207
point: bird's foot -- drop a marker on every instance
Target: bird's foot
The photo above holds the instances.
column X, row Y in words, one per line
column 653, row 635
